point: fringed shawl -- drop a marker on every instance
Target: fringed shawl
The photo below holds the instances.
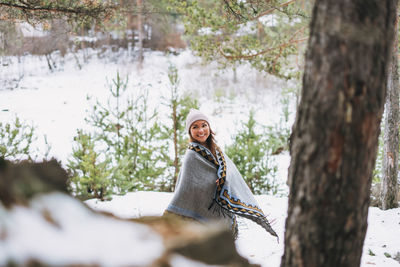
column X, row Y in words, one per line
column 209, row 187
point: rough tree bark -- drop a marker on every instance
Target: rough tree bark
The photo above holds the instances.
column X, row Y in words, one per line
column 389, row 186
column 335, row 136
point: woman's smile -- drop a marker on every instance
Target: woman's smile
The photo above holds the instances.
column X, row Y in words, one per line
column 200, row 130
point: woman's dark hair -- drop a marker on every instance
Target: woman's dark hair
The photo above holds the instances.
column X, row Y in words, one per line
column 211, row 143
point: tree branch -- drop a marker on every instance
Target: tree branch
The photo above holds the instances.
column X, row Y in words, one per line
column 25, row 7
column 273, row 9
column 269, row 11
column 291, row 41
column 263, row 51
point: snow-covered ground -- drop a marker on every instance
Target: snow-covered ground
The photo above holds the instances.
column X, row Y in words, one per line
column 55, row 102
column 382, row 242
column 57, row 230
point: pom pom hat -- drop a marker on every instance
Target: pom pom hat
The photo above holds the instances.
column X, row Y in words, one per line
column 195, row 115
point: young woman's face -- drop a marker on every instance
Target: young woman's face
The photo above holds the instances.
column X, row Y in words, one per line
column 199, row 130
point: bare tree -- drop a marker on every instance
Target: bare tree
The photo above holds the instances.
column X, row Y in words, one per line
column 389, row 186
column 140, row 30
column 335, row 136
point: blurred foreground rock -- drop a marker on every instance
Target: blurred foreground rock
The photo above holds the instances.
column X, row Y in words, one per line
column 209, row 244
column 41, row 225
column 21, row 181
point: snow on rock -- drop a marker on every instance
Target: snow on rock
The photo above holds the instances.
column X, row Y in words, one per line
column 253, row 242
column 57, row 229
column 133, row 205
column 180, row 261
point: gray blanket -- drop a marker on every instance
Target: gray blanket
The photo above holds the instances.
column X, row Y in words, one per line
column 199, row 196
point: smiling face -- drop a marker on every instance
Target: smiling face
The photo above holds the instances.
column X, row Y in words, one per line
column 199, row 131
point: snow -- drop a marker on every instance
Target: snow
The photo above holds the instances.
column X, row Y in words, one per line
column 134, row 205
column 383, row 236
column 32, row 31
column 253, row 242
column 59, row 230
column 56, row 103
column 180, row 261
column 73, row 233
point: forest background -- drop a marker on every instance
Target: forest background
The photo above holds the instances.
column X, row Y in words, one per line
column 128, row 146
column 117, row 155
column 131, row 146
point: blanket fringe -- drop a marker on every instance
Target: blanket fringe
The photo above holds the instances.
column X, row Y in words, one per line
column 263, row 222
column 216, row 208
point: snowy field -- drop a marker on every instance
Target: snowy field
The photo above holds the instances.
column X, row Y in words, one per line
column 59, row 230
column 255, row 244
column 56, row 103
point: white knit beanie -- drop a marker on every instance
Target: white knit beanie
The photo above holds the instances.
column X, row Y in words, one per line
column 195, row 115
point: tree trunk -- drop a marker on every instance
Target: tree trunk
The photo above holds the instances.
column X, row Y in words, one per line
column 389, row 186
column 335, row 136
column 140, row 31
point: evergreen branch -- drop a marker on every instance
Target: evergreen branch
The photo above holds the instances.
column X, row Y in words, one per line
column 90, row 11
column 269, row 11
column 292, row 40
column 263, row 51
column 273, row 9
column 232, row 11
column 151, row 11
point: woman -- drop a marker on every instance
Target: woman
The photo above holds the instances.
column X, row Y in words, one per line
column 209, row 186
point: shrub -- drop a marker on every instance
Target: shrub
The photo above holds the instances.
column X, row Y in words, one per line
column 90, row 175
column 252, row 154
column 16, row 140
column 122, row 151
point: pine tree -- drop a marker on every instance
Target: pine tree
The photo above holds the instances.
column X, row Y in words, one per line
column 263, row 33
column 90, row 174
column 179, row 106
column 126, row 134
column 16, row 140
column 252, row 154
